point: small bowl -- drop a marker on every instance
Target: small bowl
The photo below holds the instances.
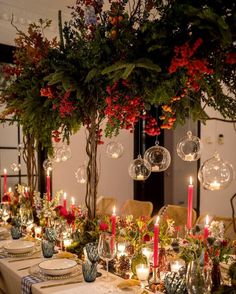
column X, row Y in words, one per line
column 57, row 266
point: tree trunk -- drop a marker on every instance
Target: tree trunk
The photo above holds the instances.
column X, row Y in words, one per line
column 92, row 172
column 30, row 161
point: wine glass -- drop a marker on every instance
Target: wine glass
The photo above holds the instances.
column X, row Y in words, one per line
column 5, row 212
column 106, row 249
column 142, row 272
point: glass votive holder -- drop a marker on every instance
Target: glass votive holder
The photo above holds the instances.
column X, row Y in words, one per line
column 47, row 248
column 121, row 249
column 16, row 232
column 142, row 272
column 176, row 265
column 38, row 232
column 67, row 243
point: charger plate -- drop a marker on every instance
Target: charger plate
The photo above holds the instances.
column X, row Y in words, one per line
column 37, row 272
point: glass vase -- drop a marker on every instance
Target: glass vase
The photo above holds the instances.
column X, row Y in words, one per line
column 215, row 277
column 195, row 278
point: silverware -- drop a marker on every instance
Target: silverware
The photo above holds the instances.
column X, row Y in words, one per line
column 61, row 284
column 22, row 259
column 24, row 268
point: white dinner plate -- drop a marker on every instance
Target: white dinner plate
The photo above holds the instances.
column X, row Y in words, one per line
column 57, row 266
column 19, row 247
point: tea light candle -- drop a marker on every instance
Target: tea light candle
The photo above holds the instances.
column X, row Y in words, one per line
column 215, row 185
column 155, row 168
column 67, row 242
column 140, row 177
column 147, row 252
column 38, row 232
column 115, row 155
column 189, row 157
column 142, row 271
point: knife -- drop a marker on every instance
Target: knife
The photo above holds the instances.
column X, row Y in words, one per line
column 61, row 284
column 22, row 259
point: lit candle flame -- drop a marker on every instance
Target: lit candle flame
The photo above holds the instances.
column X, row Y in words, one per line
column 9, row 190
column 5, row 171
column 114, row 210
column 64, row 195
column 48, row 172
column 157, row 220
column 207, row 220
column 190, row 180
column 73, row 200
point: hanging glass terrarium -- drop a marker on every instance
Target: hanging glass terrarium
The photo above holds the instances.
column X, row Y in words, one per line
column 81, row 174
column 158, row 157
column 48, row 165
column 114, row 150
column 215, row 174
column 139, row 169
column 189, row 147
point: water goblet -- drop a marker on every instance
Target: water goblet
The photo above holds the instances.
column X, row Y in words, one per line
column 142, row 272
column 107, row 250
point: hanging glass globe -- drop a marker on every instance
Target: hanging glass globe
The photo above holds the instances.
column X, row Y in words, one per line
column 139, row 169
column 15, row 167
column 57, row 155
column 158, row 157
column 189, row 147
column 114, row 150
column 47, row 165
column 81, row 174
column 215, row 174
column 64, row 152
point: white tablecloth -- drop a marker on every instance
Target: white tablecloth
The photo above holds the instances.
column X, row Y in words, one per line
column 10, row 281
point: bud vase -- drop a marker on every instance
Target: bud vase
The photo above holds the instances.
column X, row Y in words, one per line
column 215, row 277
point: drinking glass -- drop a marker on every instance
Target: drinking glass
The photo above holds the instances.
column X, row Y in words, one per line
column 142, row 272
column 107, row 249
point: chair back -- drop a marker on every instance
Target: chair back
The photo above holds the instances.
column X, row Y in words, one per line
column 105, row 205
column 136, row 208
column 178, row 214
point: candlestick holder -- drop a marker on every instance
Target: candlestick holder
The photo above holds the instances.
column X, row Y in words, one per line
column 155, row 279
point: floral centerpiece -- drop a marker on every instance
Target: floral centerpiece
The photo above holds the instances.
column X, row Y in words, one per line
column 114, row 60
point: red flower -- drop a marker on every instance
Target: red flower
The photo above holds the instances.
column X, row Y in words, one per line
column 70, row 218
column 146, row 238
column 103, row 226
column 6, row 198
column 62, row 210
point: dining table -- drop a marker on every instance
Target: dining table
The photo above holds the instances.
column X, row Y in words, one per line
column 14, row 269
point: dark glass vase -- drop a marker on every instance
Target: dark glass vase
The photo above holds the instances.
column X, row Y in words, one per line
column 215, row 277
column 92, row 252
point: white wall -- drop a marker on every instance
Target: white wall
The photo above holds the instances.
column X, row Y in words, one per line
column 218, row 202
column 114, row 179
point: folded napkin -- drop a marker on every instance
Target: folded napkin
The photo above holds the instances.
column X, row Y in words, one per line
column 27, row 282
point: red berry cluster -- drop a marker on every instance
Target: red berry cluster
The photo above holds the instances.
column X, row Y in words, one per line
column 195, row 68
column 151, row 127
column 123, row 108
